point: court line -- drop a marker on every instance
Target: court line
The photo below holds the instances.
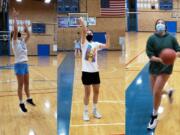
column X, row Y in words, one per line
column 104, row 101
column 32, row 90
column 64, row 96
column 14, row 81
column 100, row 124
column 40, row 74
column 130, row 61
column 140, row 70
column 8, row 95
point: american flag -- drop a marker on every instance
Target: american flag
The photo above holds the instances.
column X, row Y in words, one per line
column 112, row 8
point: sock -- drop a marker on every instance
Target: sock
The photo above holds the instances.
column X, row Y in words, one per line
column 29, row 98
column 94, row 106
column 155, row 112
column 21, row 102
column 85, row 107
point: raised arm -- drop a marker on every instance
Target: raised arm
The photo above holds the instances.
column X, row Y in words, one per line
column 27, row 32
column 83, row 31
column 15, row 33
column 107, row 44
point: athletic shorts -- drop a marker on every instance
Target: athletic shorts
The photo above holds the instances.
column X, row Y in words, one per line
column 21, row 68
column 90, row 78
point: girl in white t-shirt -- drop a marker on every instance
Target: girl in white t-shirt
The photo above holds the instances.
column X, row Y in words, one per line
column 21, row 65
column 90, row 70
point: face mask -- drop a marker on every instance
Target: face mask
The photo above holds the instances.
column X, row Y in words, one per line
column 160, row 27
column 19, row 34
column 89, row 38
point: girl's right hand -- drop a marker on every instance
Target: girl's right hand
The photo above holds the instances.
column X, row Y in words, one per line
column 15, row 13
column 81, row 21
column 160, row 60
column 157, row 59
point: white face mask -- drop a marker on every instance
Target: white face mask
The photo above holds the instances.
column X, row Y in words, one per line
column 160, row 27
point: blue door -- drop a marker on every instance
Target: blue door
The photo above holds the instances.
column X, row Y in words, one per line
column 172, row 27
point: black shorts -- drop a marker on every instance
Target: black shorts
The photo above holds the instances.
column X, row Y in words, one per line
column 90, row 78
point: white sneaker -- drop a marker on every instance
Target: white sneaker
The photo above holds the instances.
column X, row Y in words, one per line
column 85, row 116
column 96, row 114
column 153, row 122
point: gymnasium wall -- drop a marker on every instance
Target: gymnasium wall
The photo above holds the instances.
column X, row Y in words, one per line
column 147, row 18
column 114, row 26
column 37, row 11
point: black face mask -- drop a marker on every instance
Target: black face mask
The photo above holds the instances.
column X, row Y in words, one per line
column 19, row 34
column 89, row 38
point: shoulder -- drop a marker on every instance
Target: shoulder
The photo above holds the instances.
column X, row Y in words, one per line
column 96, row 43
column 171, row 36
column 151, row 37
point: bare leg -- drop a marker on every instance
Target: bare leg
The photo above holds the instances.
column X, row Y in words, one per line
column 87, row 94
column 95, row 101
column 95, row 93
column 26, row 85
column 153, row 80
column 75, row 52
column 20, row 79
column 157, row 90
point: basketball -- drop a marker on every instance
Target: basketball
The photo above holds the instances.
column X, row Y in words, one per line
column 168, row 56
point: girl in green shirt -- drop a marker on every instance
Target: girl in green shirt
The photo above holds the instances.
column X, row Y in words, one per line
column 159, row 72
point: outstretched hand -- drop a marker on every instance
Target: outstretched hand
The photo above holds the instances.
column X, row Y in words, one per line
column 161, row 61
column 15, row 13
column 25, row 26
column 81, row 21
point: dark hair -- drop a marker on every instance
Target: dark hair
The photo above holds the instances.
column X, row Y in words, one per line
column 158, row 21
column 90, row 30
column 78, row 33
column 18, row 34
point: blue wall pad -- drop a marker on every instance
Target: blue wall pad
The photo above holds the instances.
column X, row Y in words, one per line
column 43, row 49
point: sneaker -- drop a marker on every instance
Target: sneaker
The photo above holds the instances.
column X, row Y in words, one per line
column 85, row 116
column 153, row 122
column 96, row 114
column 170, row 95
column 30, row 101
column 23, row 108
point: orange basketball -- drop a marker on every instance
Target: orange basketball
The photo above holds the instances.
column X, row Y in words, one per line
column 168, row 56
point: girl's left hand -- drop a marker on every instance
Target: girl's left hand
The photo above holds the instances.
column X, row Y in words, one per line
column 25, row 26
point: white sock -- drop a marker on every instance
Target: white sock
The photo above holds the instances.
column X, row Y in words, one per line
column 21, row 102
column 85, row 107
column 94, row 106
column 29, row 98
column 155, row 112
